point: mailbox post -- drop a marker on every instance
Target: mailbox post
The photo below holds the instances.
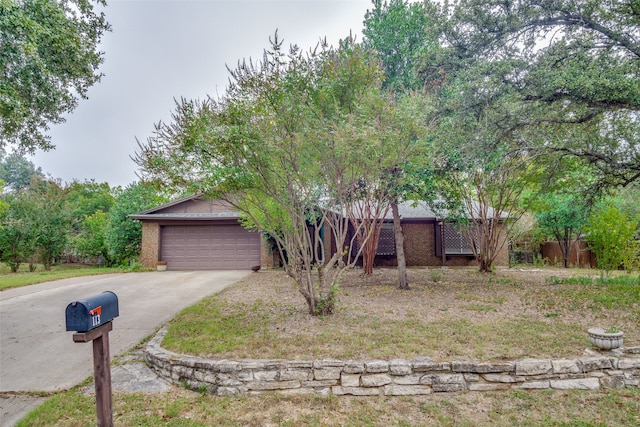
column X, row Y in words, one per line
column 91, row 318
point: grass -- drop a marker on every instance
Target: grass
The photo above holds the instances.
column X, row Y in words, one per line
column 588, row 293
column 24, row 277
column 517, row 408
column 455, row 318
column 507, row 315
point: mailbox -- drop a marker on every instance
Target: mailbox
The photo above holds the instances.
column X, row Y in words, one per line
column 87, row 314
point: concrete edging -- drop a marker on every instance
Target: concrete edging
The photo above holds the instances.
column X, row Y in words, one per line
column 396, row 377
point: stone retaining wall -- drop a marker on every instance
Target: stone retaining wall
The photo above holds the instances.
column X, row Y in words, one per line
column 396, row 377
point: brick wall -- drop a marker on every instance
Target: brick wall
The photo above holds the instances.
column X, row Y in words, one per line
column 268, row 257
column 420, row 248
column 150, row 244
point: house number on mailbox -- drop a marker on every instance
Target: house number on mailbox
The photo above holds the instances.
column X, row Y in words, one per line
column 95, row 316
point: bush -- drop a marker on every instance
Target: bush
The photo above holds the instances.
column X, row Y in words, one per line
column 610, row 235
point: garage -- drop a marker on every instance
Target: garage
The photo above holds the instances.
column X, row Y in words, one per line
column 196, row 233
column 209, row 247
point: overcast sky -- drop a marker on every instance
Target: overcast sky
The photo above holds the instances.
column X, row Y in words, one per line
column 161, row 50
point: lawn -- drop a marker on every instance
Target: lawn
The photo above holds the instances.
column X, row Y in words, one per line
column 455, row 313
column 505, row 409
column 24, row 277
column 447, row 314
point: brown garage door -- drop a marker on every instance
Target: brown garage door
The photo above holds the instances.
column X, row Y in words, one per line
column 209, row 247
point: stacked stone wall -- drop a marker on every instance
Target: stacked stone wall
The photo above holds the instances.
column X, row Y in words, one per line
column 396, row 377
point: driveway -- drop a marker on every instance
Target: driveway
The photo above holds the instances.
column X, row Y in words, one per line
column 37, row 354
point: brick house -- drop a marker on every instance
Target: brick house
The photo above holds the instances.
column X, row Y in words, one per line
column 199, row 234
column 194, row 233
column 428, row 240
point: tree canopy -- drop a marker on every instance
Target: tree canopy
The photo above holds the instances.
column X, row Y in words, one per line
column 17, row 172
column 48, row 60
column 295, row 144
column 558, row 75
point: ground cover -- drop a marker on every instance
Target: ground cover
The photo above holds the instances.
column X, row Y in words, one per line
column 454, row 313
column 499, row 409
column 447, row 314
column 24, row 277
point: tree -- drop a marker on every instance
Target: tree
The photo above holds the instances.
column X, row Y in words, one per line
column 288, row 145
column 52, row 223
column 91, row 240
column 87, row 198
column 482, row 180
column 3, row 205
column 563, row 217
column 123, row 235
column 16, row 171
column 36, row 225
column 610, row 235
column 18, row 236
column 490, row 201
column 570, row 68
column 48, row 59
column 400, row 32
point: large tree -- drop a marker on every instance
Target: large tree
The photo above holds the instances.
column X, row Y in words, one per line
column 16, row 171
column 570, row 68
column 49, row 58
column 400, row 32
column 288, row 145
column 52, row 222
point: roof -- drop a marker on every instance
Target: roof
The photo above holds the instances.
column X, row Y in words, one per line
column 420, row 210
column 414, row 210
column 193, row 208
column 197, row 208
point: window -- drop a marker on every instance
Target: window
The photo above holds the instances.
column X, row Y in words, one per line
column 387, row 241
column 456, row 241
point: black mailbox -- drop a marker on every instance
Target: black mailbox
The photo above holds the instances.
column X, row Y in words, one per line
column 89, row 313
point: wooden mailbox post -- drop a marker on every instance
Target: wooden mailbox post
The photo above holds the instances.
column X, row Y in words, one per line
column 92, row 319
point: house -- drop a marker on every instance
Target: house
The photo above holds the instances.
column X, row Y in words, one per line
column 194, row 233
column 428, row 240
column 199, row 234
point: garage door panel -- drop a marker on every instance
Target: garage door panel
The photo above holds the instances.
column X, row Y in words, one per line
column 209, row 247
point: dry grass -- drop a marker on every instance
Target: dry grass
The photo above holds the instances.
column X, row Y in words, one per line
column 446, row 314
column 455, row 313
column 501, row 409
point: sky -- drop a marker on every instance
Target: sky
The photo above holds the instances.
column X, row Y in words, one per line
column 162, row 50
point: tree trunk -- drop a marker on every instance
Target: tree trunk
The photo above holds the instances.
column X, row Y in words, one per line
column 399, row 238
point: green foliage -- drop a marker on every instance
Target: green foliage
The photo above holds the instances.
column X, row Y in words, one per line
column 399, row 32
column 91, row 240
column 16, row 171
column 123, row 235
column 49, row 57
column 18, row 235
column 36, row 225
column 559, row 76
column 326, row 304
column 88, row 197
column 297, row 137
column 563, row 216
column 53, row 221
column 610, row 235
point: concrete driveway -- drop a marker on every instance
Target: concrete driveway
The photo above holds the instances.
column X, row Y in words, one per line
column 37, row 354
